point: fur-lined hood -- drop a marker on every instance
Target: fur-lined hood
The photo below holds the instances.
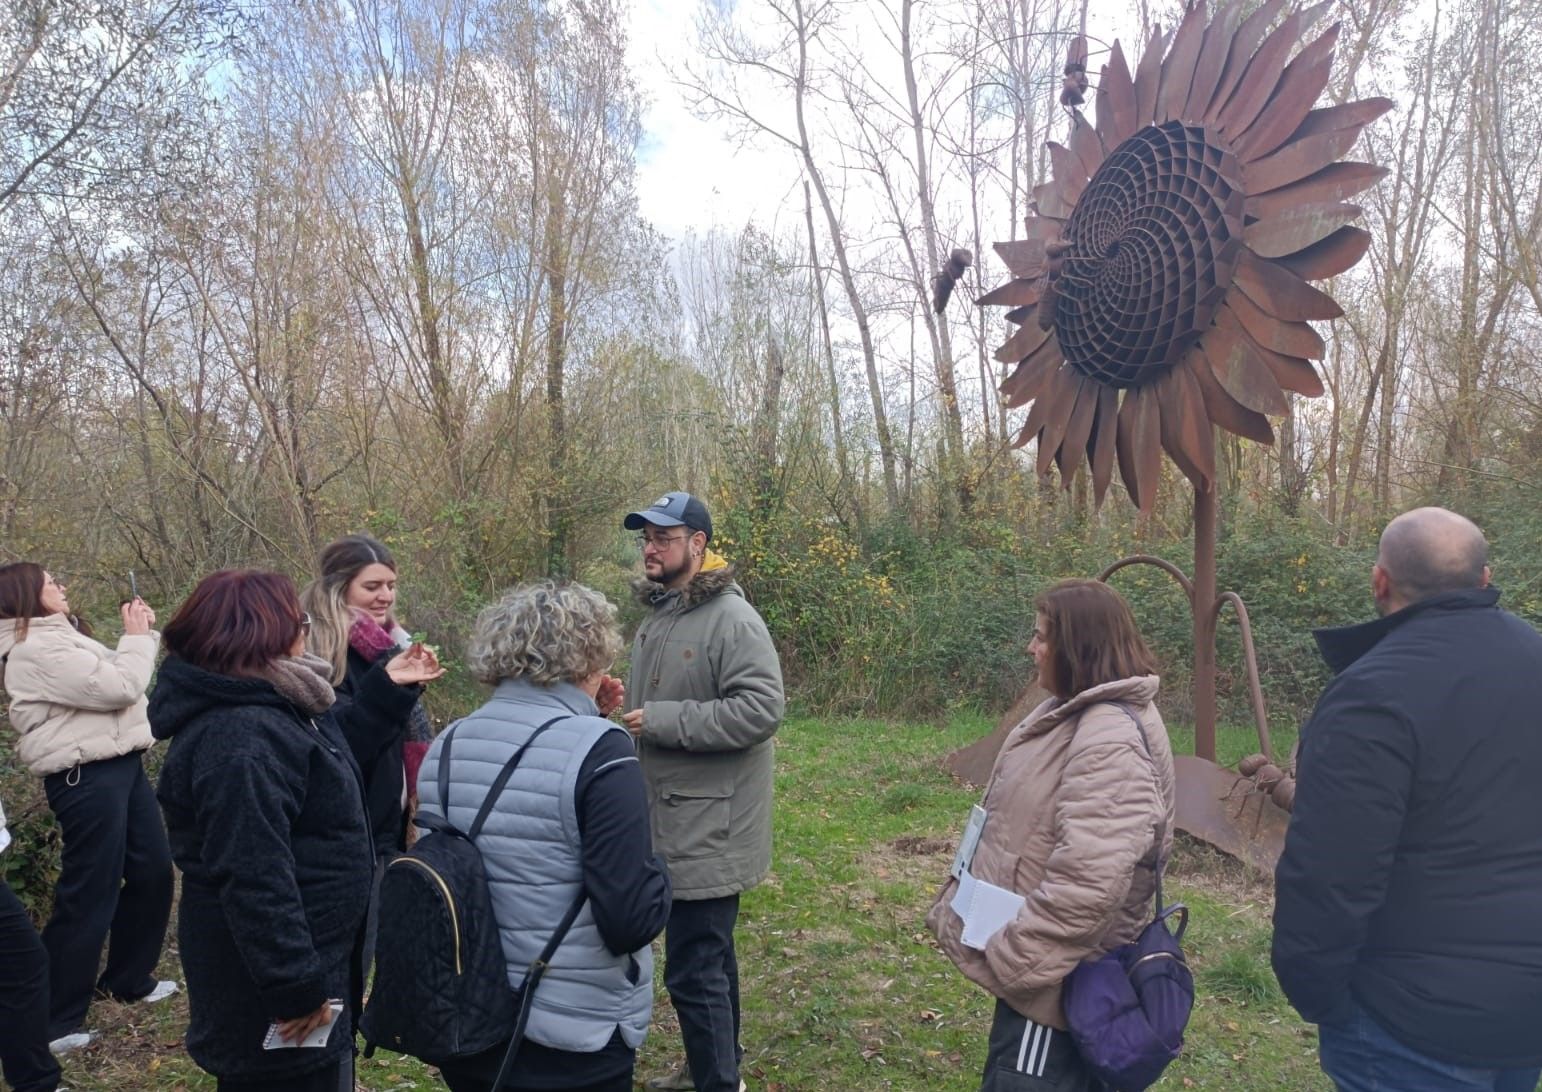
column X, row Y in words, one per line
column 705, row 585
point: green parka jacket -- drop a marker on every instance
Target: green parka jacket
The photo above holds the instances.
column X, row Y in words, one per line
column 707, row 677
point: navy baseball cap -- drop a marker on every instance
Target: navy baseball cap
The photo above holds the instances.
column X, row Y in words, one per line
column 672, row 510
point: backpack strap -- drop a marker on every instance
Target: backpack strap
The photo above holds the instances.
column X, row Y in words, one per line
column 440, row 824
column 502, row 780
column 1161, row 863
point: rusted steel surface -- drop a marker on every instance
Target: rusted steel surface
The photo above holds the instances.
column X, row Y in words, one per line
column 1221, row 807
column 1167, row 256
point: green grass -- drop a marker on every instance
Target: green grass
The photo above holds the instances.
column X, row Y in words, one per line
column 843, row 988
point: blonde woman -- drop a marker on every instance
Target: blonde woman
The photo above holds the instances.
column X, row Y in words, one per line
column 377, row 672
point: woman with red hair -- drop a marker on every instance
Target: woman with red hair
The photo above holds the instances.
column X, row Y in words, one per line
column 266, row 815
column 79, row 710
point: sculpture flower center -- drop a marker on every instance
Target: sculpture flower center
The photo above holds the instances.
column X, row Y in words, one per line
column 1151, row 248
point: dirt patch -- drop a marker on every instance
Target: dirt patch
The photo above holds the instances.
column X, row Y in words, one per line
column 911, row 846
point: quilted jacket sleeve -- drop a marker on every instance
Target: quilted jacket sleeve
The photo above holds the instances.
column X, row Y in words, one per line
column 85, row 677
column 1108, row 810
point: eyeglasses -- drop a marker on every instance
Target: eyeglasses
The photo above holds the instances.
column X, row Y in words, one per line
column 659, row 542
column 305, row 623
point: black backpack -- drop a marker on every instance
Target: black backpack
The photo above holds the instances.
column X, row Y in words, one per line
column 441, row 988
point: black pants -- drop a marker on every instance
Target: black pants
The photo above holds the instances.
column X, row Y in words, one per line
column 337, row 1077
column 24, row 1053
column 701, row 971
column 1027, row 1057
column 456, row 1082
column 115, row 878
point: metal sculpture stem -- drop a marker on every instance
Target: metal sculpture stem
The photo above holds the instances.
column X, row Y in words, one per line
column 1205, row 609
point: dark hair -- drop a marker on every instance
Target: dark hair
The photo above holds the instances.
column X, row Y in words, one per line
column 236, row 622
column 1092, row 637
column 21, row 594
column 350, row 555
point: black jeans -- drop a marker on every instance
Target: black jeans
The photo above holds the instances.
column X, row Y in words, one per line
column 701, row 971
column 24, row 1056
column 456, row 1082
column 115, row 878
column 337, row 1077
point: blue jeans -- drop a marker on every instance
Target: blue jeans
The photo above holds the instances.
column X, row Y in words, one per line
column 1360, row 1056
column 701, row 971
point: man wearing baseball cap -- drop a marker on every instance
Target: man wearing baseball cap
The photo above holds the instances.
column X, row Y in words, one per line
column 704, row 699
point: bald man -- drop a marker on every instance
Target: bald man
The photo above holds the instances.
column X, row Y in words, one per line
column 1408, row 902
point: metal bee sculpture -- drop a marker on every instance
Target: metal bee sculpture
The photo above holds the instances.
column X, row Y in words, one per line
column 1162, row 284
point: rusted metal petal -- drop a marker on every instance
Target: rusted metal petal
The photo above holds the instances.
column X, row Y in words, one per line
column 1049, row 410
column 1281, row 293
column 1073, row 445
column 1257, row 85
column 1334, row 182
column 1124, row 443
column 1050, row 201
column 1116, row 100
column 1329, row 258
column 1223, row 409
column 1212, row 60
column 1020, row 344
column 1024, row 257
column 1018, row 293
column 1297, row 228
column 1027, row 379
column 1085, row 143
column 1148, row 448
column 1148, row 79
column 1302, row 81
column 1289, row 372
column 1285, row 338
column 1349, row 115
column 1186, row 431
column 1069, row 175
column 1100, row 445
column 1299, row 158
column 1240, row 54
column 1178, row 68
column 1239, row 366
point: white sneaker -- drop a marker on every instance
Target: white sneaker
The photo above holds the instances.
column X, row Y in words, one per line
column 163, row 989
column 73, row 1041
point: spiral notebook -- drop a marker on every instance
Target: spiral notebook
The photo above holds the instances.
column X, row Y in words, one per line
column 318, row 1038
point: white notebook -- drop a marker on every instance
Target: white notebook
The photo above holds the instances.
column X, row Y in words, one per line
column 318, row 1038
column 984, row 908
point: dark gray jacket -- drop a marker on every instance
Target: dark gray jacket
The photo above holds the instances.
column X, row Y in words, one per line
column 266, row 820
column 707, row 677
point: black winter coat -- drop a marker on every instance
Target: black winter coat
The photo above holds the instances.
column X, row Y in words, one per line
column 1412, row 874
column 374, row 714
column 266, row 821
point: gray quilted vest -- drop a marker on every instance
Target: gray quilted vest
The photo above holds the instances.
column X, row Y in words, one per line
column 530, row 849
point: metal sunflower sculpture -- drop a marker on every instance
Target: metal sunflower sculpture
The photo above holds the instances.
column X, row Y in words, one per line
column 1162, row 285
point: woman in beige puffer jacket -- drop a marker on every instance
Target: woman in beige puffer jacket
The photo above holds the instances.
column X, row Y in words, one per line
column 1079, row 812
column 79, row 710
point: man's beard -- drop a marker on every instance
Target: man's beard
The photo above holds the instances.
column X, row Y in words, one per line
column 668, row 574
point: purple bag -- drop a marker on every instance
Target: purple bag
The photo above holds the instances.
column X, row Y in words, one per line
column 1127, row 1009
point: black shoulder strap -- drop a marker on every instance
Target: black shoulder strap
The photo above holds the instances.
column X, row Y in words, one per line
column 502, row 779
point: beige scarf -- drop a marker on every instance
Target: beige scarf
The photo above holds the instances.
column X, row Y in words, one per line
column 304, row 679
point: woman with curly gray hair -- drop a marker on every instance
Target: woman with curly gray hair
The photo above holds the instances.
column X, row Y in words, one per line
column 571, row 823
